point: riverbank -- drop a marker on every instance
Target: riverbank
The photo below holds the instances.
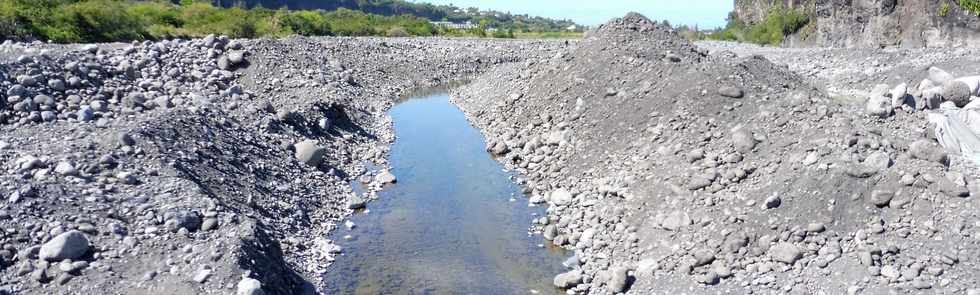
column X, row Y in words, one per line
column 671, row 168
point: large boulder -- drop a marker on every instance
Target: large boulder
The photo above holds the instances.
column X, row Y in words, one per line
column 957, row 92
column 249, row 286
column 742, row 140
column 731, row 91
column 786, row 253
column 973, row 82
column 617, row 280
column 69, row 245
column 931, row 98
column 878, row 104
column 561, row 196
column 309, row 152
column 385, row 177
column 899, row 94
column 568, row 279
column 939, row 76
column 927, row 150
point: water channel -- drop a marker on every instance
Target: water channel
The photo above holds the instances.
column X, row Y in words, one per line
column 454, row 223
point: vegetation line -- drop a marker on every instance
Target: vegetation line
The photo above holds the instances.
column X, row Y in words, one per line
column 74, row 21
column 778, row 23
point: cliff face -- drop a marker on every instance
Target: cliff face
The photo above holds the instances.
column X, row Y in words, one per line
column 874, row 23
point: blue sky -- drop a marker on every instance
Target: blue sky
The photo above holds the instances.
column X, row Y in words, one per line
column 704, row 13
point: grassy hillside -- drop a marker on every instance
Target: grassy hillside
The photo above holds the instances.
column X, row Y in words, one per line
column 67, row 21
column 495, row 19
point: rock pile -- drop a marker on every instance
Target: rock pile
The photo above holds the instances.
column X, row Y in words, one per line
column 716, row 173
column 937, row 89
column 200, row 166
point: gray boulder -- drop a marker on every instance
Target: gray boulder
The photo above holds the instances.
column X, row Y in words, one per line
column 931, row 98
column 223, row 63
column 190, row 220
column 786, row 253
column 568, row 279
column 878, row 104
column 385, row 177
column 676, row 221
column 742, row 140
column 309, row 152
column 956, row 92
column 731, row 91
column 249, row 286
column 85, row 114
column 927, row 150
column 618, row 279
column 881, row 198
column 939, row 76
column 561, row 196
column 69, row 245
column 356, row 202
column 899, row 94
column 236, row 58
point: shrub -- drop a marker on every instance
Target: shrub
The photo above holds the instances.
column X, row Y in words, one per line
column 970, row 5
column 346, row 22
column 160, row 20
column 202, row 19
column 307, row 23
column 93, row 21
column 397, row 32
column 12, row 25
column 501, row 33
column 779, row 23
column 944, row 9
column 125, row 20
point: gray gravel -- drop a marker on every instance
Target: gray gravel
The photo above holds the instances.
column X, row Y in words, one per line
column 201, row 166
column 792, row 187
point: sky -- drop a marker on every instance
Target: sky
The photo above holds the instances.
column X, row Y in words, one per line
column 703, row 13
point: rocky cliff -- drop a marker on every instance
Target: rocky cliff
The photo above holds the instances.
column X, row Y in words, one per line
column 874, row 23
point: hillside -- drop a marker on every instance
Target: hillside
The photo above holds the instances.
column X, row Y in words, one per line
column 451, row 13
column 875, row 23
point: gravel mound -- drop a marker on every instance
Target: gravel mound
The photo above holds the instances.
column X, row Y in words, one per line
column 717, row 173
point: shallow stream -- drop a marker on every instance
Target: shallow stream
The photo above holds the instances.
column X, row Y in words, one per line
column 454, row 223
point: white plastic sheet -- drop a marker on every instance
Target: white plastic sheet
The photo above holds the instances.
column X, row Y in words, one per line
column 958, row 130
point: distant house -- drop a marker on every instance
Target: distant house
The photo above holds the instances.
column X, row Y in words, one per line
column 572, row 28
column 457, row 26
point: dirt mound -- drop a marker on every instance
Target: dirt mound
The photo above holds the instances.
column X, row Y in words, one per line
column 693, row 170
